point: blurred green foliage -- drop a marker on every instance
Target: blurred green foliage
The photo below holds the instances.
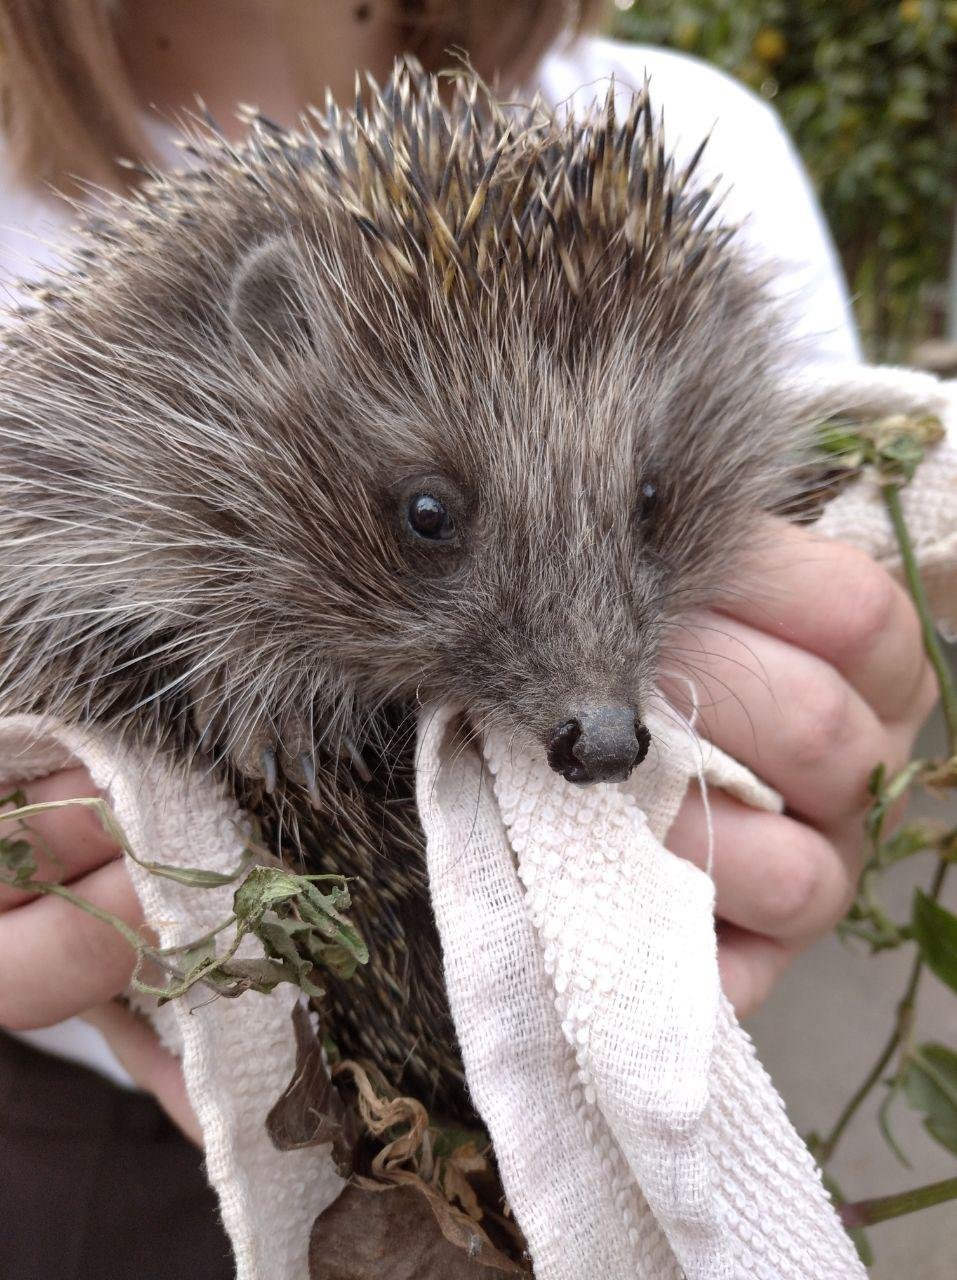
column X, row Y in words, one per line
column 868, row 89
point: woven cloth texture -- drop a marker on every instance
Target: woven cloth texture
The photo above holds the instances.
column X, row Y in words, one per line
column 637, row 1133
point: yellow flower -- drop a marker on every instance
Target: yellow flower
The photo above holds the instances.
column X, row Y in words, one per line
column 910, row 10
column 686, row 33
column 770, row 45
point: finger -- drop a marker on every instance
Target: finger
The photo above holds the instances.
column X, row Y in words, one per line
column 149, row 1064
column 749, row 966
column 772, row 875
column 57, row 960
column 68, row 842
column 837, row 603
column 786, row 714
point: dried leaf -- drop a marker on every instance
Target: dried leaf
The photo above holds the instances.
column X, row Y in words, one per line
column 305, row 924
column 456, row 1186
column 300, row 927
column 941, row 776
column 311, row 1111
column 392, row 1233
column 894, row 446
column 263, row 888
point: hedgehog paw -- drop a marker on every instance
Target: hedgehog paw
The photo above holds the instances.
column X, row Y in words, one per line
column 266, row 754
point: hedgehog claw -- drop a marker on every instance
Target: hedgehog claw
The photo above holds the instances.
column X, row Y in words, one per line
column 270, row 769
column 360, row 766
column 307, row 763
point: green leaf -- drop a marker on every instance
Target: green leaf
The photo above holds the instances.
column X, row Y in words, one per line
column 278, row 938
column 264, row 975
column 902, row 456
column 16, row 854
column 841, row 441
column 935, row 930
column 339, row 960
column 321, row 909
column 895, row 1086
column 17, row 858
column 263, row 888
column 195, row 877
column 930, row 1084
column 886, row 793
column 875, row 780
column 300, row 926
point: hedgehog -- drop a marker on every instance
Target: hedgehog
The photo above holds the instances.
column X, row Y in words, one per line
column 431, row 400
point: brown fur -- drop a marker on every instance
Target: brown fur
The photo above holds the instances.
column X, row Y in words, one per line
column 210, row 429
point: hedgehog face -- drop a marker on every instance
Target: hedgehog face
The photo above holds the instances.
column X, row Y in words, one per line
column 507, row 517
column 536, row 599
column 460, row 537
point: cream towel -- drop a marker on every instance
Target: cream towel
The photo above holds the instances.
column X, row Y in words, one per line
column 638, row 1135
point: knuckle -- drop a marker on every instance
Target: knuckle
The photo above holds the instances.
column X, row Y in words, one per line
column 819, row 724
column 794, row 889
column 872, row 607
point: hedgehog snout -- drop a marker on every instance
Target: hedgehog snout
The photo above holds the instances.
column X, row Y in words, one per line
column 601, row 744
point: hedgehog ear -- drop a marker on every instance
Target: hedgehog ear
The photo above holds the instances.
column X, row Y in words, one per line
column 267, row 306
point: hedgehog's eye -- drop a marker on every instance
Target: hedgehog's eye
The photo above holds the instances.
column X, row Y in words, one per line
column 430, row 518
column 647, row 499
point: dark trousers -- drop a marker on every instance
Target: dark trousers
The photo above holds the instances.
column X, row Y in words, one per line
column 96, row 1183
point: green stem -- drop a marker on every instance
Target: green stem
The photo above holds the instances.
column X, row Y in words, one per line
column 866, row 1213
column 143, row 950
column 58, row 891
column 902, row 1026
column 825, row 1150
column 948, row 695
column 935, row 651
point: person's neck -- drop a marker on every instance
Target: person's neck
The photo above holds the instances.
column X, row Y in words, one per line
column 278, row 55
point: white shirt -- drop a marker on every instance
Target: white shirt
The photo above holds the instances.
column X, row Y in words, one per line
column 767, row 192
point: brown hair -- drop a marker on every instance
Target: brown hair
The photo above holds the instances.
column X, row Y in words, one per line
column 68, row 107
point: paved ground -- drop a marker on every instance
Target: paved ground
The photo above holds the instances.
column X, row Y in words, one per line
column 821, row 1033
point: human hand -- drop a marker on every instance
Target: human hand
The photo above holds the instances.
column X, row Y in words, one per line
column 57, row 961
column 812, row 676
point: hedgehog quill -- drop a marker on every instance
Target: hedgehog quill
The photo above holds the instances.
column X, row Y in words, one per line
column 429, row 401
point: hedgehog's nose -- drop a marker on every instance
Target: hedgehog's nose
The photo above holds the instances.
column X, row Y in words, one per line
column 602, row 745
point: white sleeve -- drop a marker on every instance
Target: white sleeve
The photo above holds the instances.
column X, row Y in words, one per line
column 752, row 157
